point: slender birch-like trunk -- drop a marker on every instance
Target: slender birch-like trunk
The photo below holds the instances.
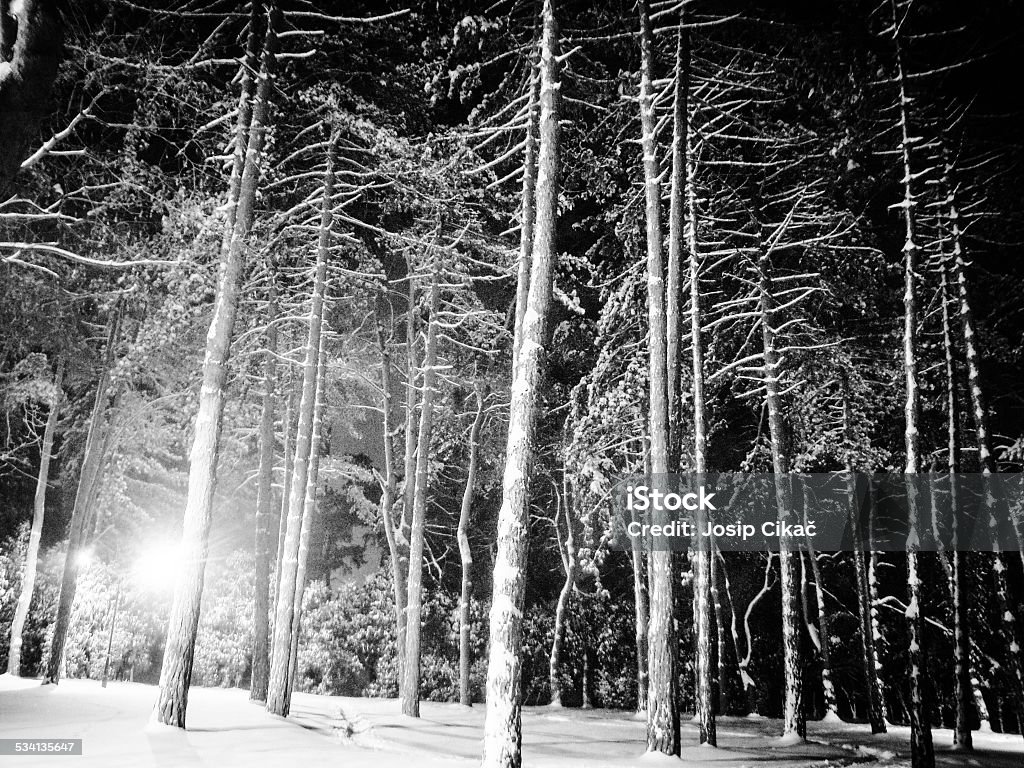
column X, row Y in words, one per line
column 873, row 602
column 641, row 607
column 876, row 714
column 264, row 501
column 282, row 514
column 409, row 470
column 743, row 661
column 662, row 703
column 28, row 575
column 720, row 567
column 410, row 689
column 962, row 738
column 569, row 565
column 502, row 734
column 309, row 508
column 704, row 585
column 390, row 486
column 81, row 513
column 183, row 625
column 986, row 461
column 528, row 209
column 793, row 724
column 674, row 294
column 247, row 99
column 922, row 753
column 721, row 699
column 278, row 699
column 820, row 635
column 466, row 552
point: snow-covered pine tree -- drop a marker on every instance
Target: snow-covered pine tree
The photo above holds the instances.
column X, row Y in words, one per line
column 876, row 715
column 389, row 483
column 278, row 698
column 264, row 501
column 502, row 736
column 662, row 703
column 309, row 508
column 409, row 693
column 793, row 725
column 176, row 672
column 979, row 416
column 922, row 754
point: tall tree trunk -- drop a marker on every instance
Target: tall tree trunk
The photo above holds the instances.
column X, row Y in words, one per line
column 502, row 735
column 309, row 508
column 962, row 738
column 820, row 635
column 641, row 610
column 31, row 38
column 721, row 675
column 876, row 714
column 663, row 708
column 793, row 725
column 278, row 698
column 390, row 484
column 410, row 690
column 569, row 559
column 528, row 209
column 243, row 120
column 873, row 602
column 183, row 625
column 676, row 235
column 28, row 577
column 286, row 490
column 409, row 470
column 743, row 662
column 586, row 676
column 264, row 492
column 92, row 462
column 922, row 754
column 466, row 552
column 264, row 500
column 703, row 582
column 979, row 415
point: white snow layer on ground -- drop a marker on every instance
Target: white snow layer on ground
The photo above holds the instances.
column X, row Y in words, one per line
column 225, row 729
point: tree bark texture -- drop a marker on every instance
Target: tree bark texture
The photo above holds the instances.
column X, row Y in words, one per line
column 278, row 699
column 28, row 576
column 502, row 733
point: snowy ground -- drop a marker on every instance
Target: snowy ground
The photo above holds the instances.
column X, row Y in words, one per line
column 226, row 730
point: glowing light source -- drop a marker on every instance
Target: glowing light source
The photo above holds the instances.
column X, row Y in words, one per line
column 84, row 558
column 158, row 566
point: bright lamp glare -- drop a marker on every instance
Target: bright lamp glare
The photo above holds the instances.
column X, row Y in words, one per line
column 84, row 558
column 158, row 566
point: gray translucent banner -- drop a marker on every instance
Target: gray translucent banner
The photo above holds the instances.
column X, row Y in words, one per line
column 827, row 512
column 48, row 747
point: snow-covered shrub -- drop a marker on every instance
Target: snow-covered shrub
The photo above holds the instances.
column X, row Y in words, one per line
column 614, row 649
column 224, row 647
column 134, row 632
column 538, row 629
column 346, row 645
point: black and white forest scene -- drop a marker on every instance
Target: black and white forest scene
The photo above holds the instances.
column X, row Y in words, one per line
column 516, row 384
